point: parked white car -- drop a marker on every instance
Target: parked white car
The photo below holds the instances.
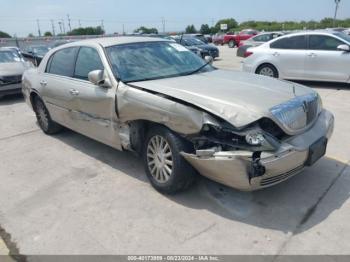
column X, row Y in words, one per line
column 314, row 56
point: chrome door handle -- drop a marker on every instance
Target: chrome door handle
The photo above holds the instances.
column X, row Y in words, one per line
column 74, row 92
column 43, row 83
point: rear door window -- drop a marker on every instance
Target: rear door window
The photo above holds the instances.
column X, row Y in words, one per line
column 88, row 60
column 62, row 62
column 293, row 42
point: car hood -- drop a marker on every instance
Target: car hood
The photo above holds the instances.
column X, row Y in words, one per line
column 239, row 98
column 9, row 69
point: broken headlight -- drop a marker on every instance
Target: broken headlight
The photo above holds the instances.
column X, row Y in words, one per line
column 255, row 138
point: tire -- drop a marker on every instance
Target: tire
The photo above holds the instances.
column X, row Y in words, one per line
column 267, row 70
column 168, row 171
column 47, row 125
column 231, row 44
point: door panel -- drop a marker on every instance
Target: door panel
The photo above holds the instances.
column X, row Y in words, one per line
column 94, row 114
column 289, row 54
column 324, row 62
column 291, row 63
column 55, row 85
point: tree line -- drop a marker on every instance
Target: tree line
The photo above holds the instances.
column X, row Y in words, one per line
column 77, row 31
column 233, row 25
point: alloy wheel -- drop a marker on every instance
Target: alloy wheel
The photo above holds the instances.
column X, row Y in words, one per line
column 42, row 115
column 267, row 71
column 159, row 159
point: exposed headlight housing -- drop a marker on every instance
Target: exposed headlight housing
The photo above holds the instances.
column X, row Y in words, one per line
column 255, row 138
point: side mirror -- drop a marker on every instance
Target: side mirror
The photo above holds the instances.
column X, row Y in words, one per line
column 209, row 59
column 97, row 77
column 345, row 48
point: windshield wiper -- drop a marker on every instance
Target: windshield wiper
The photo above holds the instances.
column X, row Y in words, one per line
column 199, row 69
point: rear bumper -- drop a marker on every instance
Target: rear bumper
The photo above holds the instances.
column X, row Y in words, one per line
column 10, row 89
column 234, row 169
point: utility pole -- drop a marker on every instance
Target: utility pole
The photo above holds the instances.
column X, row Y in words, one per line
column 79, row 23
column 69, row 26
column 53, row 27
column 337, row 2
column 102, row 26
column 63, row 26
column 163, row 23
column 60, row 24
column 123, row 29
column 39, row 32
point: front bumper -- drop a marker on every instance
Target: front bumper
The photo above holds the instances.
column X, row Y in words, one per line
column 234, row 168
column 10, row 89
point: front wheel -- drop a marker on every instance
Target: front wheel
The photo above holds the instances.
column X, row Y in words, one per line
column 231, row 44
column 166, row 169
column 267, row 70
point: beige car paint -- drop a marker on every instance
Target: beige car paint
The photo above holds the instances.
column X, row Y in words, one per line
column 183, row 104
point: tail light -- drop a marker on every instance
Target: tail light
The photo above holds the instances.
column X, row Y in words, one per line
column 247, row 53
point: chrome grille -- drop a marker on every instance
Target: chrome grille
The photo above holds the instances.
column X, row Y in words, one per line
column 279, row 178
column 297, row 113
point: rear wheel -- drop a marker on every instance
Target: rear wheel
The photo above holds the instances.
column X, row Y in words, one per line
column 231, row 44
column 45, row 122
column 166, row 169
column 267, row 70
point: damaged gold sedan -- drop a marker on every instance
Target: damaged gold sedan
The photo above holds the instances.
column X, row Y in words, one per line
column 179, row 113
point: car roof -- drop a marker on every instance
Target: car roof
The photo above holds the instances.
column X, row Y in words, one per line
column 119, row 40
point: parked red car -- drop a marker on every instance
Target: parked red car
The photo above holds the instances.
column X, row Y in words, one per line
column 234, row 40
column 218, row 39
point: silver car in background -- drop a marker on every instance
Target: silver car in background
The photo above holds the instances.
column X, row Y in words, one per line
column 314, row 56
column 12, row 66
column 256, row 41
column 182, row 115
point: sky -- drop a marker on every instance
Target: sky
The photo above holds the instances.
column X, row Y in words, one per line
column 20, row 16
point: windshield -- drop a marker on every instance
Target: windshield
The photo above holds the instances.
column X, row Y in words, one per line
column 153, row 60
column 343, row 36
column 9, row 57
column 40, row 50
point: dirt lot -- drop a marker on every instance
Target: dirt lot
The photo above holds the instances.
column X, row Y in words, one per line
column 68, row 194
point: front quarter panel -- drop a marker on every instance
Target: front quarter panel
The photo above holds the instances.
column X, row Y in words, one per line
column 136, row 104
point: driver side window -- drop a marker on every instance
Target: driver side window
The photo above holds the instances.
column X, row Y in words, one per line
column 88, row 60
column 322, row 42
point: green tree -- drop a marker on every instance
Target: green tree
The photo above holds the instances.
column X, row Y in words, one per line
column 205, row 29
column 191, row 29
column 30, row 35
column 230, row 22
column 4, row 35
column 145, row 30
column 87, row 31
column 48, row 33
